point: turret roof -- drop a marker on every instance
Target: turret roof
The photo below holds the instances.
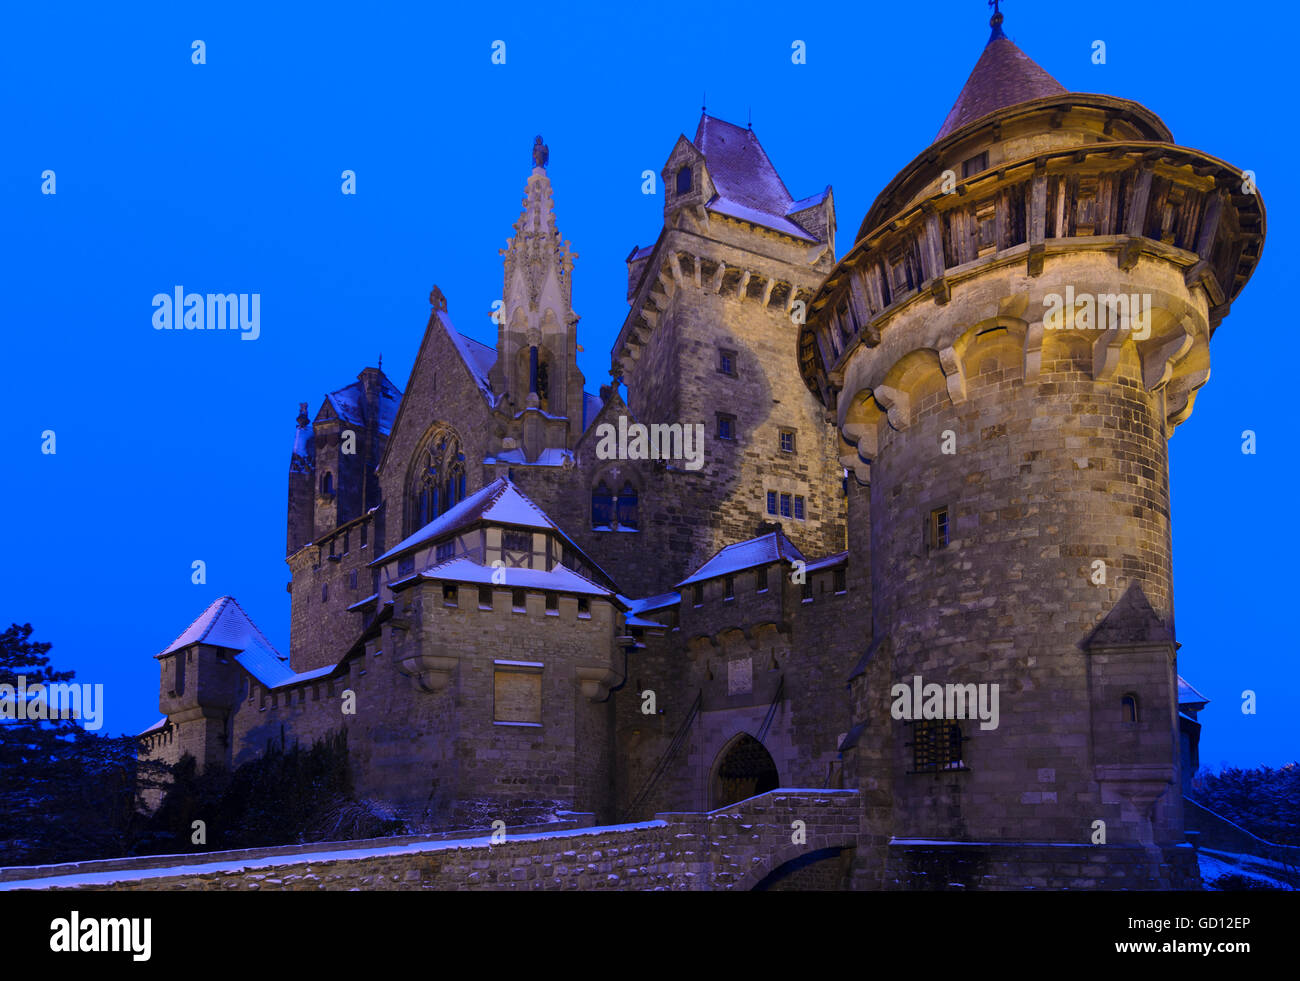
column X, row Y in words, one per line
column 1003, row 76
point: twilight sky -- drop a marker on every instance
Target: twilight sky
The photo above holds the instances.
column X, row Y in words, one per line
column 225, row 177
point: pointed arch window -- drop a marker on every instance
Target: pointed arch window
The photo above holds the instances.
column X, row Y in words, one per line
column 627, row 506
column 602, row 506
column 327, row 483
column 438, row 478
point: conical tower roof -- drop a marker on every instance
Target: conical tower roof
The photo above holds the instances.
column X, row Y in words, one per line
column 1003, row 76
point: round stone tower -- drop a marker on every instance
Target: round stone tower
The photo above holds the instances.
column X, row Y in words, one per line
column 1023, row 320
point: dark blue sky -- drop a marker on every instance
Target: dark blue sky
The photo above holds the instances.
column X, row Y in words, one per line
column 225, row 177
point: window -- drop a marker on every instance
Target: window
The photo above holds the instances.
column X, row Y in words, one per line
column 798, row 507
column 552, row 605
column 517, row 694
column 727, row 363
column 975, row 164
column 936, row 745
column 346, row 538
column 785, row 505
column 444, row 551
column 517, row 541
column 324, row 592
column 937, row 529
column 584, row 608
column 806, row 594
column 627, row 516
column 729, row 587
column 449, row 594
column 771, row 502
column 841, row 580
column 697, row 594
column 684, row 180
column 726, row 426
column 365, row 534
column 327, row 483
column 485, row 597
column 519, row 600
column 406, row 566
column 787, row 440
column 602, row 506
column 438, row 482
column 760, row 578
column 352, row 579
column 1128, row 711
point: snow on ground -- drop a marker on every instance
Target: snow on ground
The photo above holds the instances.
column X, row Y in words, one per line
column 198, row 867
column 1268, row 873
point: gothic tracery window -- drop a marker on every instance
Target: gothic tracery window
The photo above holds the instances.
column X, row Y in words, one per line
column 438, row 480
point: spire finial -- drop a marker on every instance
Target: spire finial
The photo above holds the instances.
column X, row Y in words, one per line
column 541, row 153
column 995, row 22
column 704, row 102
column 381, row 360
column 750, row 112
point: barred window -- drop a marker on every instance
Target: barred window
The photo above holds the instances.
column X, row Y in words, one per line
column 760, row 576
column 798, row 507
column 445, row 551
column 785, row 505
column 771, row 502
column 936, row 745
column 841, row 580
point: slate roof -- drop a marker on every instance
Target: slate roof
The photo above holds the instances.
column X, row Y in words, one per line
column 1187, row 695
column 1003, row 76
column 349, row 403
column 772, row 547
column 499, row 502
column 560, row 579
column 748, row 186
column 223, row 624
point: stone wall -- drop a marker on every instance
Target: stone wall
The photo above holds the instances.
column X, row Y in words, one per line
column 733, row 848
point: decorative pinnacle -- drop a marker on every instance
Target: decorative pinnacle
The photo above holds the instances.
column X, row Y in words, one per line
column 541, row 153
column 995, row 22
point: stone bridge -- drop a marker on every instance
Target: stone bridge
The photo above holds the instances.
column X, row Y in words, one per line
column 783, row 839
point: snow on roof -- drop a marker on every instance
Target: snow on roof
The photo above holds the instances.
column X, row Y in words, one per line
column 349, row 403
column 155, row 727
column 660, row 602
column 552, row 456
column 809, row 202
column 559, row 579
column 1189, row 695
column 640, row 253
column 223, row 624
column 772, row 547
column 499, row 502
column 733, row 209
column 478, row 357
column 825, row 563
column 748, row 185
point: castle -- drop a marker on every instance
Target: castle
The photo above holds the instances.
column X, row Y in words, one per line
column 930, row 487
